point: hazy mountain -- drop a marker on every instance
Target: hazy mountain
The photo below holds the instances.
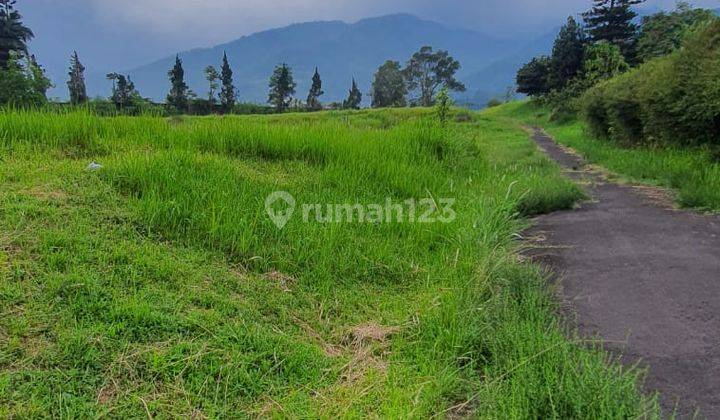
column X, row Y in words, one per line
column 340, row 50
column 493, row 80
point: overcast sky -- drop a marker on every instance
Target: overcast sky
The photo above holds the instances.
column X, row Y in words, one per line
column 205, row 22
column 121, row 34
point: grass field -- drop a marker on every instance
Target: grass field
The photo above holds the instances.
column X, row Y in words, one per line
column 157, row 286
column 692, row 173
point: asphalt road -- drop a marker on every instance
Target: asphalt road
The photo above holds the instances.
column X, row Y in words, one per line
column 642, row 276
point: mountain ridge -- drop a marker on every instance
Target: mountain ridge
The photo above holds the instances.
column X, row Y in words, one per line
column 340, row 50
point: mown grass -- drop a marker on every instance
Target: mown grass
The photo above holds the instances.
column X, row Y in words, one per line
column 693, row 173
column 157, row 286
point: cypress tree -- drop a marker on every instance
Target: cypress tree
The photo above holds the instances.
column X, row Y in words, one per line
column 313, row 99
column 14, row 35
column 282, row 87
column 228, row 97
column 123, row 90
column 76, row 84
column 178, row 95
column 612, row 21
column 354, row 97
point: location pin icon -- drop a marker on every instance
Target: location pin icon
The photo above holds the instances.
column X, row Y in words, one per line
column 280, row 217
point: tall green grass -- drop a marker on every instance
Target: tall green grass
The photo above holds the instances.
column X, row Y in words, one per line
column 158, row 285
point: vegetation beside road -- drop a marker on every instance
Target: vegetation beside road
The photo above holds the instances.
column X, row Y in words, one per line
column 693, row 173
column 672, row 100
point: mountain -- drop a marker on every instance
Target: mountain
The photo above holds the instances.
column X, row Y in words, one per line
column 340, row 50
column 494, row 79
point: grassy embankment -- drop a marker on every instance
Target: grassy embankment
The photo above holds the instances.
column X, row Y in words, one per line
column 157, row 286
column 693, row 173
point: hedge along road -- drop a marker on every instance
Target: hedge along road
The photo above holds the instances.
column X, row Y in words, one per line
column 643, row 277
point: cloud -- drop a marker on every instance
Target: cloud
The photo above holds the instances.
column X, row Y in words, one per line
column 212, row 21
column 125, row 33
column 219, row 20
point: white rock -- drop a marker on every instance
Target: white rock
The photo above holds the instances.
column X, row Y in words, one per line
column 94, row 166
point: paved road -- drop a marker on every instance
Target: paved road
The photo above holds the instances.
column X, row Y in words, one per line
column 644, row 277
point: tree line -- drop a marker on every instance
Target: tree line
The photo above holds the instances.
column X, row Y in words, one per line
column 23, row 81
column 426, row 72
column 606, row 44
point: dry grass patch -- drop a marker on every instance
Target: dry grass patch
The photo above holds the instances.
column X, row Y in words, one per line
column 283, row 281
column 45, row 193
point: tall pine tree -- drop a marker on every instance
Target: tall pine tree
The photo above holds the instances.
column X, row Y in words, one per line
column 177, row 98
column 566, row 61
column 14, row 35
column 228, row 96
column 613, row 21
column 354, row 97
column 313, row 99
column 76, row 84
column 282, row 87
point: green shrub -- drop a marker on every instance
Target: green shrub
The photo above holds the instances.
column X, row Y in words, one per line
column 697, row 73
column 565, row 103
column 653, row 94
column 463, row 116
column 492, row 103
column 593, row 111
column 623, row 109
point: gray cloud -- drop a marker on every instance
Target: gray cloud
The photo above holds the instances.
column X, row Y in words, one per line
column 212, row 21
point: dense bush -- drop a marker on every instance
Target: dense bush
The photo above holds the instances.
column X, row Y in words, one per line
column 669, row 100
column 593, row 109
column 250, row 108
column 623, row 109
column 564, row 104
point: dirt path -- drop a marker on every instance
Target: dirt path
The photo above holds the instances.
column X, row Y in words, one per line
column 645, row 278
